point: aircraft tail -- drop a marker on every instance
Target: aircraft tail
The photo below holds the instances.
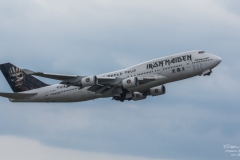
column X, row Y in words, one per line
column 18, row 80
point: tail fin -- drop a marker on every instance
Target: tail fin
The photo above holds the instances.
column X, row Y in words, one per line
column 18, row 80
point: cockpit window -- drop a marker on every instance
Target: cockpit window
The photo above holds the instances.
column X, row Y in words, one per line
column 201, row 52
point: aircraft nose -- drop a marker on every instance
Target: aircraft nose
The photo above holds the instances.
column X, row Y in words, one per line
column 218, row 59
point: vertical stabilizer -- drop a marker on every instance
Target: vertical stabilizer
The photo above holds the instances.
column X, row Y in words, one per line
column 18, row 80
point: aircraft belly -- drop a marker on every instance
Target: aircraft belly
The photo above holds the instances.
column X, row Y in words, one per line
column 78, row 96
column 21, row 100
column 85, row 95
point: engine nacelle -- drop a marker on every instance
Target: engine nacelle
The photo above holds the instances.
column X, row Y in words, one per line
column 159, row 90
column 138, row 96
column 130, row 82
column 88, row 81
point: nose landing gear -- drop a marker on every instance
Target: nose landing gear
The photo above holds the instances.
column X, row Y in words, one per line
column 207, row 72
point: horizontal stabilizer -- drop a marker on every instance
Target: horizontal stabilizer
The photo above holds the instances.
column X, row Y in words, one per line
column 17, row 95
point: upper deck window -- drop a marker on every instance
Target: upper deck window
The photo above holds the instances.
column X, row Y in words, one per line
column 201, row 52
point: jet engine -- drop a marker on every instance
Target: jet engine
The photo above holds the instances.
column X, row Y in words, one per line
column 138, row 96
column 88, row 81
column 130, row 82
column 159, row 90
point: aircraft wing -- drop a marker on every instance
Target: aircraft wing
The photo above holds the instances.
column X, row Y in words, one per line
column 105, row 85
column 71, row 79
column 53, row 76
column 17, row 95
column 114, row 86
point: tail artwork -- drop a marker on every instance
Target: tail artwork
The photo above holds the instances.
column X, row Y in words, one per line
column 18, row 80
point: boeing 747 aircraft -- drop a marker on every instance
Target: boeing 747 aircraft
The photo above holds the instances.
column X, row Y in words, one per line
column 133, row 83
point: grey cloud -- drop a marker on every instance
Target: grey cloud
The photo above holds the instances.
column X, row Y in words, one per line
column 231, row 6
column 147, row 130
column 31, row 148
column 192, row 121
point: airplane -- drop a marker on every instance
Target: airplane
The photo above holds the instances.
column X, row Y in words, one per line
column 133, row 83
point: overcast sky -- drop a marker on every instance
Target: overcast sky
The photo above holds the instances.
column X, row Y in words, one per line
column 193, row 120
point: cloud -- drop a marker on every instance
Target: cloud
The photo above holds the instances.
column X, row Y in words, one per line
column 13, row 147
column 76, row 30
column 145, row 129
column 230, row 6
column 94, row 37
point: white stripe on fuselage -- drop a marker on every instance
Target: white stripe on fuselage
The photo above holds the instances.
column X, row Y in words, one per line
column 175, row 67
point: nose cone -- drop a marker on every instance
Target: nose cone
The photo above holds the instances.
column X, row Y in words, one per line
column 218, row 59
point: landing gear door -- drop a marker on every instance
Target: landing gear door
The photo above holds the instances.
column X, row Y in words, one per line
column 198, row 66
column 189, row 66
